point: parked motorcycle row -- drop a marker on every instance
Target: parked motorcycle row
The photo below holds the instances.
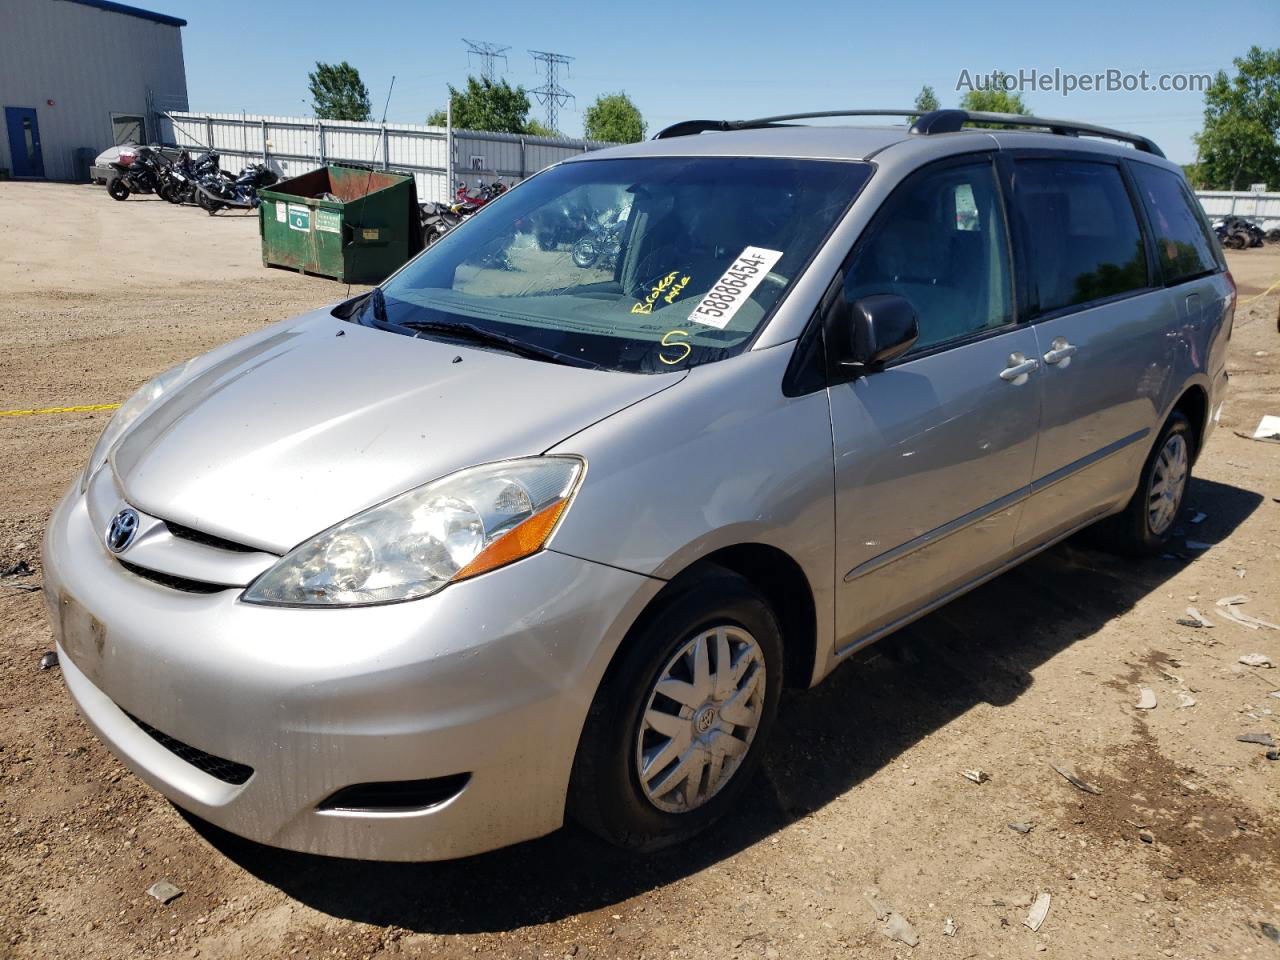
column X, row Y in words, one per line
column 439, row 218
column 200, row 181
column 1236, row 233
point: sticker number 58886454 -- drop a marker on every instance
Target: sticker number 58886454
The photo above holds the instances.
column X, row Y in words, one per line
column 730, row 292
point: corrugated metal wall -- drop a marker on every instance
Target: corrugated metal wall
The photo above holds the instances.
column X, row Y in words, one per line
column 1262, row 208
column 294, row 145
column 90, row 63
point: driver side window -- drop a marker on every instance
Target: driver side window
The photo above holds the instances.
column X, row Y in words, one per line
column 940, row 242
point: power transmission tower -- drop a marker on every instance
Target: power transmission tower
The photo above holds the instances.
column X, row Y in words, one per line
column 551, row 95
column 488, row 53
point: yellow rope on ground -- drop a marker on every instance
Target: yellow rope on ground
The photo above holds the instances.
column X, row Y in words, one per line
column 83, row 408
column 1261, row 295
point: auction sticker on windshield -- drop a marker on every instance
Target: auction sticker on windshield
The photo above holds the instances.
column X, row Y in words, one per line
column 730, row 292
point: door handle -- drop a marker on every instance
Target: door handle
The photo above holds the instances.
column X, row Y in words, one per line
column 1060, row 352
column 1019, row 368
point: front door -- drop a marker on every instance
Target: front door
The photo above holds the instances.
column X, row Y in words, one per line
column 934, row 453
column 24, row 141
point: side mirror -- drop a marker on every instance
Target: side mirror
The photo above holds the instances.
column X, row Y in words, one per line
column 866, row 334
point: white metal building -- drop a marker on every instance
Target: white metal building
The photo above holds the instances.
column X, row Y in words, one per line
column 77, row 76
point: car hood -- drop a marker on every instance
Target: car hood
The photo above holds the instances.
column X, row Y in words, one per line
column 282, row 435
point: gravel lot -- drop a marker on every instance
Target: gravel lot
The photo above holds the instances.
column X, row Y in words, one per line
column 1179, row 856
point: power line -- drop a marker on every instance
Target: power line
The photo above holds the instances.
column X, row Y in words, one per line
column 488, row 54
column 551, row 95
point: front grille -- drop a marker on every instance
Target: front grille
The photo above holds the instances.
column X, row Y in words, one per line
column 228, row 771
column 207, row 539
column 185, row 584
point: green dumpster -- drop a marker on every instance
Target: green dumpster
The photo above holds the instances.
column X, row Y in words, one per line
column 350, row 223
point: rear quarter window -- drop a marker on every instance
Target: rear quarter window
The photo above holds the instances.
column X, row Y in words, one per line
column 1184, row 246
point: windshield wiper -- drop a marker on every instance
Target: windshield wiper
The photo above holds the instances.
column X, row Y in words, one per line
column 471, row 333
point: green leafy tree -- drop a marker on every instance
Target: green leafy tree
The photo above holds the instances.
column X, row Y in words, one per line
column 927, row 99
column 1238, row 145
column 485, row 105
column 614, row 118
column 994, row 99
column 338, row 93
column 536, row 128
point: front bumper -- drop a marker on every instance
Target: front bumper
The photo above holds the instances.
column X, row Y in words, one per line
column 491, row 677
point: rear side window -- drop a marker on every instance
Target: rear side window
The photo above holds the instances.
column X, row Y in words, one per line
column 939, row 241
column 1183, row 244
column 1083, row 238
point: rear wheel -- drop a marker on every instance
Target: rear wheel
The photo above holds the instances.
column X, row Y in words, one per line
column 118, row 190
column 677, row 729
column 1146, row 525
column 584, row 253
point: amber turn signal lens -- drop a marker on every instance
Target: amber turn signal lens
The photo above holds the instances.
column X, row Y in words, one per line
column 521, row 540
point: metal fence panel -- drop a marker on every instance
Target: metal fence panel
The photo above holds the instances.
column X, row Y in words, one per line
column 293, row 145
column 1262, row 208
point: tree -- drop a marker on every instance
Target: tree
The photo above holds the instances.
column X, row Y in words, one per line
column 1238, row 145
column 536, row 128
column 338, row 93
column 485, row 105
column 992, row 96
column 614, row 118
column 926, row 99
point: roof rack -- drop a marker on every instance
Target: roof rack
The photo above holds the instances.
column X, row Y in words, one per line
column 926, row 124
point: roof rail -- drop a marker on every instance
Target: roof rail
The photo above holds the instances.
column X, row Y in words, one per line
column 949, row 121
column 928, row 123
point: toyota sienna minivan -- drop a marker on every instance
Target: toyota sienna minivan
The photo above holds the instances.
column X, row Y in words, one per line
column 520, row 536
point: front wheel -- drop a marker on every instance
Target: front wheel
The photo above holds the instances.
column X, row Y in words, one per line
column 677, row 728
column 1146, row 525
column 118, row 190
column 207, row 203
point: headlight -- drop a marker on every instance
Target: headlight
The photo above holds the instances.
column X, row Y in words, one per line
column 126, row 414
column 417, row 543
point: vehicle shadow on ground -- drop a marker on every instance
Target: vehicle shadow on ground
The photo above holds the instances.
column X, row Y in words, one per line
column 982, row 648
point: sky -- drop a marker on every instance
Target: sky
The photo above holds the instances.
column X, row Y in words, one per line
column 723, row 60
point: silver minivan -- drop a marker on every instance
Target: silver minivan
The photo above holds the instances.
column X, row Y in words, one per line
column 543, row 525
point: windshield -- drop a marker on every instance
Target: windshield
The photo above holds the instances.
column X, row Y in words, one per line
column 640, row 265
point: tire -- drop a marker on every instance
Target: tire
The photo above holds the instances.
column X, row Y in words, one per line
column 546, row 240
column 207, row 203
column 1141, row 531
column 585, row 253
column 118, row 190
column 1236, row 241
column 606, row 793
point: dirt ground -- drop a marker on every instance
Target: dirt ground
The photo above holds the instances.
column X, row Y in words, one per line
column 1178, row 856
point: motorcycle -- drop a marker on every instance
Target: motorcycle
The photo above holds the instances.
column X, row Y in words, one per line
column 1236, row 233
column 439, row 218
column 178, row 179
column 215, row 191
column 137, row 170
column 601, row 246
column 485, row 192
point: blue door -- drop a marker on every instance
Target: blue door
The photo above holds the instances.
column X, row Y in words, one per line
column 24, row 142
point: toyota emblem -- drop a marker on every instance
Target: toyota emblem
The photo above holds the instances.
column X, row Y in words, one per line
column 123, row 528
